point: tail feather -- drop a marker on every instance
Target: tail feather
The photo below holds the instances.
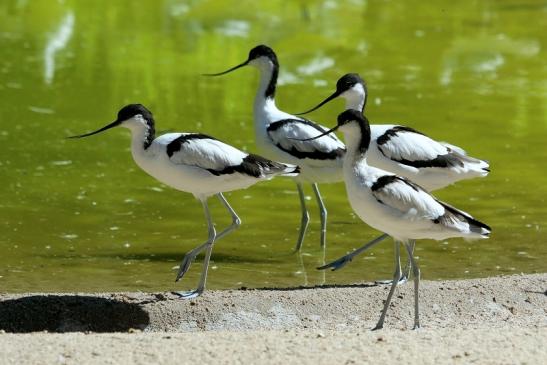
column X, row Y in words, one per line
column 479, row 166
column 291, row 170
column 475, row 226
column 458, row 152
column 259, row 166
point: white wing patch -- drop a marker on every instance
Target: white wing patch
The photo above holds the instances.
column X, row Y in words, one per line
column 203, row 151
column 407, row 198
column 405, row 144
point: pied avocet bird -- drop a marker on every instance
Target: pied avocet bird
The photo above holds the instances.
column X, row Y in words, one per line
column 395, row 205
column 405, row 151
column 194, row 163
column 320, row 160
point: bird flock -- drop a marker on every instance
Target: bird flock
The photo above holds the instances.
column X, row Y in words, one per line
column 389, row 170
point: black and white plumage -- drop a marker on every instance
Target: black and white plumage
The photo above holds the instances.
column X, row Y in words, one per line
column 194, row 163
column 317, row 150
column 406, row 151
column 395, row 205
column 278, row 136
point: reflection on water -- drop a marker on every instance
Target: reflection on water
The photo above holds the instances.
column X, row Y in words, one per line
column 79, row 215
column 234, row 28
column 315, row 66
column 484, row 54
column 56, row 43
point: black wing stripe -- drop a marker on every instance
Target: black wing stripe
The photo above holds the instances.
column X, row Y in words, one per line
column 176, row 144
column 384, row 180
column 392, row 132
column 280, row 123
column 252, row 165
column 474, row 224
column 444, row 161
column 314, row 155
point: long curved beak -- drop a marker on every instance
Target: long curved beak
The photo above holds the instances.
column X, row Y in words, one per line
column 319, row 136
column 111, row 125
column 229, row 70
column 333, row 96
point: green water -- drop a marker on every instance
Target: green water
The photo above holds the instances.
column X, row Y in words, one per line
column 78, row 215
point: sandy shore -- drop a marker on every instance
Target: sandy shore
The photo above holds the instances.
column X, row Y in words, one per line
column 500, row 320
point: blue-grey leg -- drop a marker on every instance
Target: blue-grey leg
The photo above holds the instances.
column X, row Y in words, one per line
column 191, row 255
column 208, row 246
column 416, row 274
column 323, row 214
column 402, row 279
column 396, row 277
column 408, row 267
column 236, row 222
column 344, row 260
column 305, row 217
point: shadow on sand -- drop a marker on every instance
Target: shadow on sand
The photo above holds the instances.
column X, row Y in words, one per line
column 70, row 313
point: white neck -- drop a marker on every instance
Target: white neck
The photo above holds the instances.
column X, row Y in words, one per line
column 139, row 134
column 355, row 98
column 355, row 102
column 352, row 137
column 264, row 107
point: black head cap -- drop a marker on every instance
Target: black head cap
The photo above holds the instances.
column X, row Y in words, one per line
column 125, row 113
column 130, row 110
column 262, row 51
column 347, row 81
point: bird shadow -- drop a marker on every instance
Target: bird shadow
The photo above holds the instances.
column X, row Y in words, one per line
column 70, row 313
column 321, row 286
column 536, row 292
